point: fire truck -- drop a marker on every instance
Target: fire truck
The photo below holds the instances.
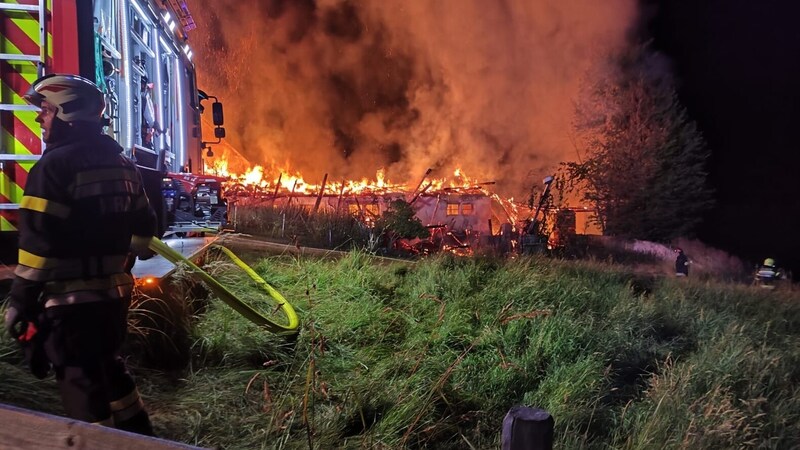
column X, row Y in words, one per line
column 137, row 52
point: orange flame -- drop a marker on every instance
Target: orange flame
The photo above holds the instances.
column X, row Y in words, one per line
column 256, row 179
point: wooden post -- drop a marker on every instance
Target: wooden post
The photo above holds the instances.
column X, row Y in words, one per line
column 277, row 186
column 527, row 428
column 339, row 201
column 321, row 192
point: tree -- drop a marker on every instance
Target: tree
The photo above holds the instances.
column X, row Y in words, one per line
column 400, row 222
column 644, row 158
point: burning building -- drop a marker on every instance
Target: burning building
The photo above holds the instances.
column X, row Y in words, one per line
column 467, row 209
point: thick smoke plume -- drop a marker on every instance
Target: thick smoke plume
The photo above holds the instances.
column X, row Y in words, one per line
column 347, row 87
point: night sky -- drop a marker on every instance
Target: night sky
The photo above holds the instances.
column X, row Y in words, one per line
column 738, row 65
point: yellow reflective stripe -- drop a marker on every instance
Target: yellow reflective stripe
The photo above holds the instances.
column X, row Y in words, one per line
column 35, row 261
column 126, row 401
column 95, row 176
column 45, row 206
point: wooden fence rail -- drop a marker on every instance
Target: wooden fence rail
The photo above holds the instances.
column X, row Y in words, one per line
column 28, row 430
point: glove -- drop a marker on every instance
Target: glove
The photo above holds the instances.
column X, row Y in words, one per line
column 23, row 305
column 146, row 254
column 32, row 343
column 16, row 325
column 140, row 246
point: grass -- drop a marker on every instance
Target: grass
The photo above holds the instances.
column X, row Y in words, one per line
column 432, row 354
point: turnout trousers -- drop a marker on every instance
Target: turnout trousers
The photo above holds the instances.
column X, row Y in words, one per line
column 83, row 342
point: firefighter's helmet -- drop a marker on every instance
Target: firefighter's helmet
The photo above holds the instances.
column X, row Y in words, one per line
column 76, row 98
column 769, row 262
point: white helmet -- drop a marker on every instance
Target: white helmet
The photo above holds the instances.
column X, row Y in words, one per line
column 76, row 98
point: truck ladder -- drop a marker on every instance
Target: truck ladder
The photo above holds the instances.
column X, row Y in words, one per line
column 38, row 10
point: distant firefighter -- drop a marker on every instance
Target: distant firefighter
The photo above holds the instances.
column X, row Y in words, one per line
column 681, row 264
column 768, row 273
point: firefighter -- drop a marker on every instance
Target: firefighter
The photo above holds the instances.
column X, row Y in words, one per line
column 767, row 273
column 83, row 215
column 681, row 263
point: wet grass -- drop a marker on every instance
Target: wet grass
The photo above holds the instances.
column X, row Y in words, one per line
column 432, row 354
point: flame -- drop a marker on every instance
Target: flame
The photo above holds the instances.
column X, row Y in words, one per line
column 256, row 180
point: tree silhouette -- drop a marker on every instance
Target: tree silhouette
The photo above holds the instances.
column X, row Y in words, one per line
column 643, row 166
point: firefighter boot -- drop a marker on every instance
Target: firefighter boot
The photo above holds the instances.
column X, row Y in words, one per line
column 127, row 408
column 139, row 423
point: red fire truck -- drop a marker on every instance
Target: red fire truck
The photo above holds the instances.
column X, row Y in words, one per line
column 137, row 52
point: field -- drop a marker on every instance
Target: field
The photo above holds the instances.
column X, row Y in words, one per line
column 432, row 354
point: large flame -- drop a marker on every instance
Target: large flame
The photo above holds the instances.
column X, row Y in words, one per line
column 346, row 87
column 273, row 178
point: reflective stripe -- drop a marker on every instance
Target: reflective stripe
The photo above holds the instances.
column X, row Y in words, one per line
column 107, row 188
column 37, row 268
column 45, row 206
column 93, row 284
column 127, row 407
column 108, row 422
column 81, row 297
column 29, row 273
column 129, row 412
column 99, row 175
column 126, row 401
column 35, row 261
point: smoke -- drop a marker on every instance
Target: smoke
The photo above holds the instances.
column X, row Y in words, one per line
column 347, row 87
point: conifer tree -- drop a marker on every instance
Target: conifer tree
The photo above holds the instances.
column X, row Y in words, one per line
column 643, row 158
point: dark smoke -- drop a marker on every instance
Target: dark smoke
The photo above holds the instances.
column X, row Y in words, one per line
column 347, row 87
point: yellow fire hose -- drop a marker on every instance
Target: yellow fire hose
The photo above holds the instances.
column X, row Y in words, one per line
column 158, row 246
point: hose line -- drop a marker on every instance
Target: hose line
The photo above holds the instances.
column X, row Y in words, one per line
column 158, row 246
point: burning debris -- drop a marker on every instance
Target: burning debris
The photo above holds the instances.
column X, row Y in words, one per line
column 460, row 212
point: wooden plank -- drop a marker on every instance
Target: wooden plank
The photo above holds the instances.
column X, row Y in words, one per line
column 28, row 430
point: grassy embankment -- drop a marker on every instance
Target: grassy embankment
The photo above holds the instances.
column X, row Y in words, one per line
column 433, row 354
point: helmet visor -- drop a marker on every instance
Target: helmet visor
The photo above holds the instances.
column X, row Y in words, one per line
column 33, row 97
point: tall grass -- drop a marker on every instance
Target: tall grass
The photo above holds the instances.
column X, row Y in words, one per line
column 432, row 354
column 297, row 224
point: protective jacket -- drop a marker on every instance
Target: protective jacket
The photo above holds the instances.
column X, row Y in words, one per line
column 84, row 204
column 83, row 210
column 682, row 265
column 767, row 274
